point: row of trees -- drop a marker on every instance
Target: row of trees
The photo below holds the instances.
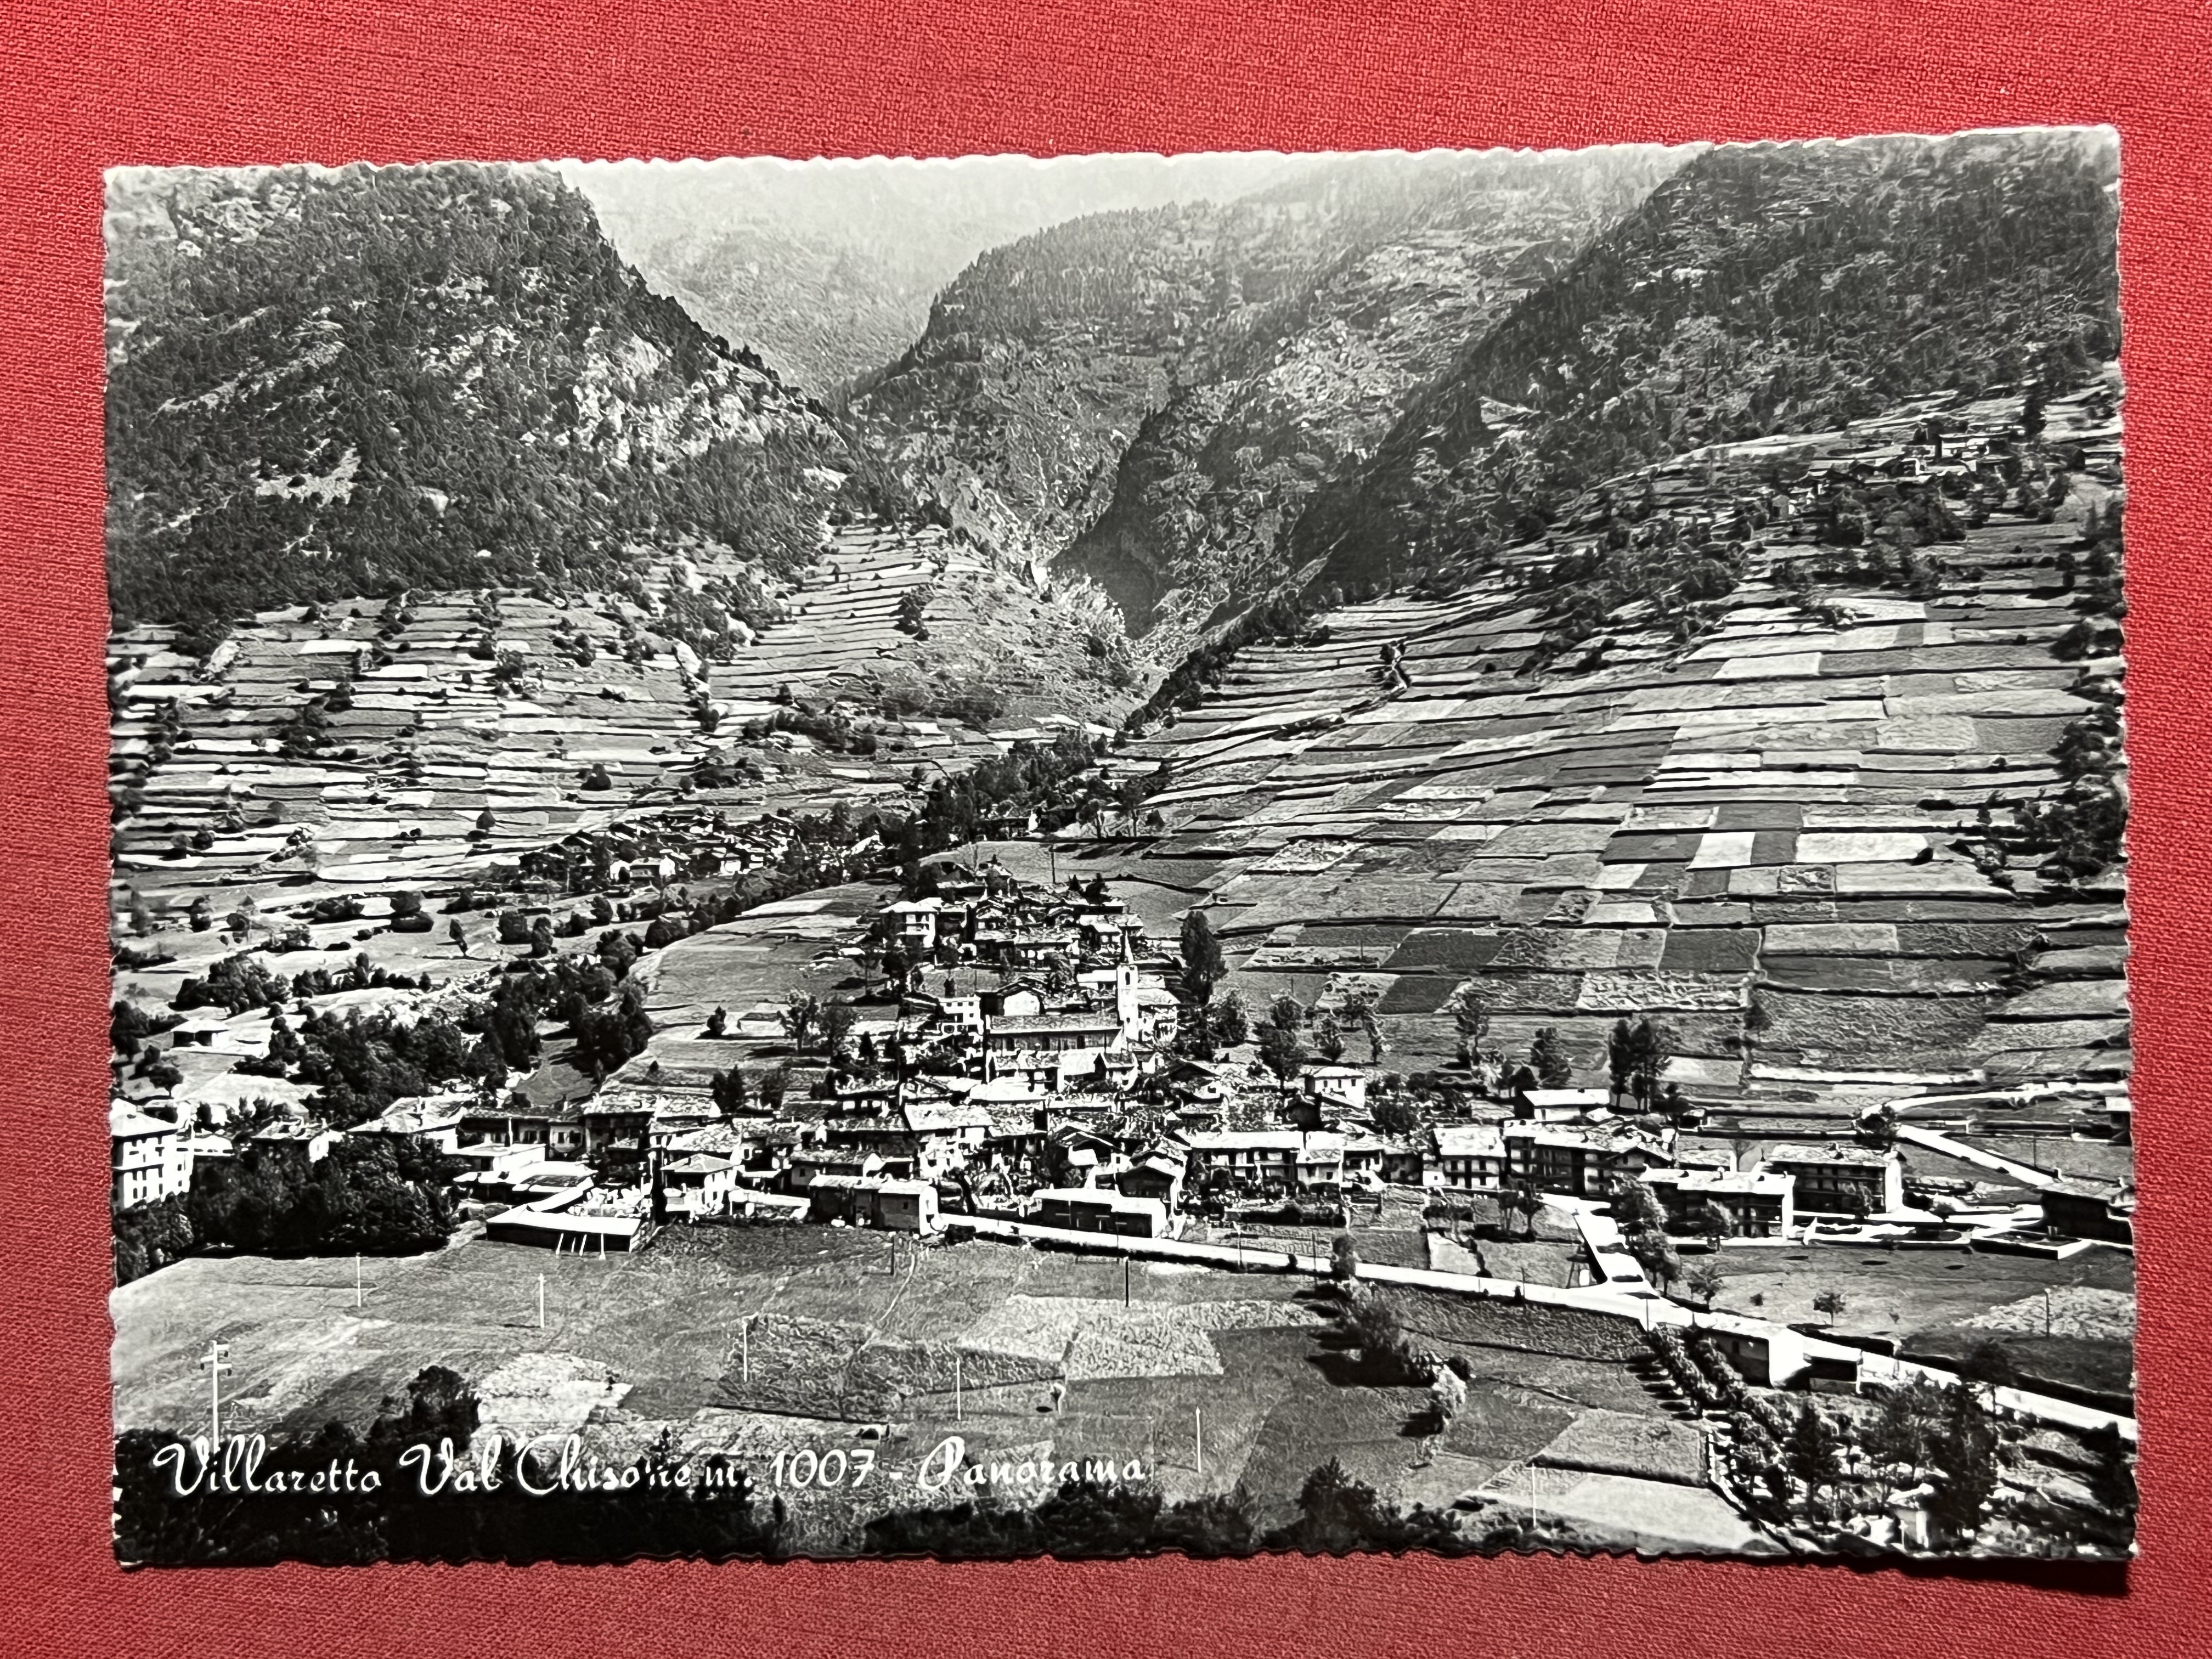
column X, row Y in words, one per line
column 375, row 1195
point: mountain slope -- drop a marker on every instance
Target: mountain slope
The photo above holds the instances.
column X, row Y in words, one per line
column 1043, row 359
column 1766, row 288
column 333, row 383
column 1216, row 475
column 827, row 268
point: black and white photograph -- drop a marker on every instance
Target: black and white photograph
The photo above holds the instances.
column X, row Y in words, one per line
column 1000, row 857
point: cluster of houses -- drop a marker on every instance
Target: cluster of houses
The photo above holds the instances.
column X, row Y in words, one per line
column 1138, row 1159
column 1031, row 1076
column 677, row 844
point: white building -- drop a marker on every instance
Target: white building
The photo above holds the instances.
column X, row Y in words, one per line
column 150, row 1160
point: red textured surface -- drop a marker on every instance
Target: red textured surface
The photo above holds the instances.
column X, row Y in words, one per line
column 166, row 81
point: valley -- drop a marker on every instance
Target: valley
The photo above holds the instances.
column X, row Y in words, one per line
column 1436, row 851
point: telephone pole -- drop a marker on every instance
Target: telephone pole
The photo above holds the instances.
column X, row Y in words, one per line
column 214, row 1362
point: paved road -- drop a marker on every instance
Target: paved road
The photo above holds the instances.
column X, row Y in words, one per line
column 1959, row 1149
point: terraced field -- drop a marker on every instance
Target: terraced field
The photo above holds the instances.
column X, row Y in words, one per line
column 463, row 712
column 1779, row 814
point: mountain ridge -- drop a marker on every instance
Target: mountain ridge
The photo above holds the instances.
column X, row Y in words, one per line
column 1774, row 288
column 450, row 380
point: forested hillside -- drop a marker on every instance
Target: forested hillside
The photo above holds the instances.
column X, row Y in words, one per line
column 1043, row 360
column 1764, row 290
column 326, row 383
column 1214, row 478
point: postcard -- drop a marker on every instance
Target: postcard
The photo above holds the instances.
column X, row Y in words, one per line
column 986, row 858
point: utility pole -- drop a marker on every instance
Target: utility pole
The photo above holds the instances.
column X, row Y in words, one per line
column 1125, row 1286
column 1198, row 1439
column 541, row 1302
column 214, row 1362
column 955, row 1385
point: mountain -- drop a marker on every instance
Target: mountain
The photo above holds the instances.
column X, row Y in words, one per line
column 1219, row 472
column 1291, row 322
column 827, row 268
column 1765, row 289
column 331, row 383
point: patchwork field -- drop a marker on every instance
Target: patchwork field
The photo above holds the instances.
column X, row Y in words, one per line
column 1780, row 813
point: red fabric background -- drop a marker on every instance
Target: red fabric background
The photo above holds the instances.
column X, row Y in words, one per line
column 220, row 81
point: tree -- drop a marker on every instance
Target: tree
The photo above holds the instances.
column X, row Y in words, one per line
column 837, row 1019
column 1831, row 1305
column 1962, row 1451
column 1635, row 1056
column 1898, row 1434
column 1706, row 1280
column 802, row 1014
column 1282, row 1051
column 1547, row 1058
column 201, row 914
column 718, row 1025
column 1359, row 1012
column 1470, row 1017
column 1202, row 964
column 1637, row 1207
column 1372, row 1323
column 774, row 1083
column 896, row 965
column 1329, row 1038
column 1230, row 1024
column 459, row 936
column 1715, row 1222
column 1287, row 1013
column 1398, row 1116
column 1813, row 1451
column 727, row 1089
column 1343, row 1259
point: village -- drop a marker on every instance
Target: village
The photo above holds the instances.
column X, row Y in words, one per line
column 1329, row 974
column 1554, row 978
column 1021, row 1055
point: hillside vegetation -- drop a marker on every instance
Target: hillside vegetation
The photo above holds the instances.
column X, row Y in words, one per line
column 1044, row 359
column 1206, row 494
column 1764, row 289
column 326, row 384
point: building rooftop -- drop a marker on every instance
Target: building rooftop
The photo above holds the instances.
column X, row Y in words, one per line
column 2119, row 1193
column 699, row 1164
column 1052, row 1024
column 125, row 1124
column 1477, row 1141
